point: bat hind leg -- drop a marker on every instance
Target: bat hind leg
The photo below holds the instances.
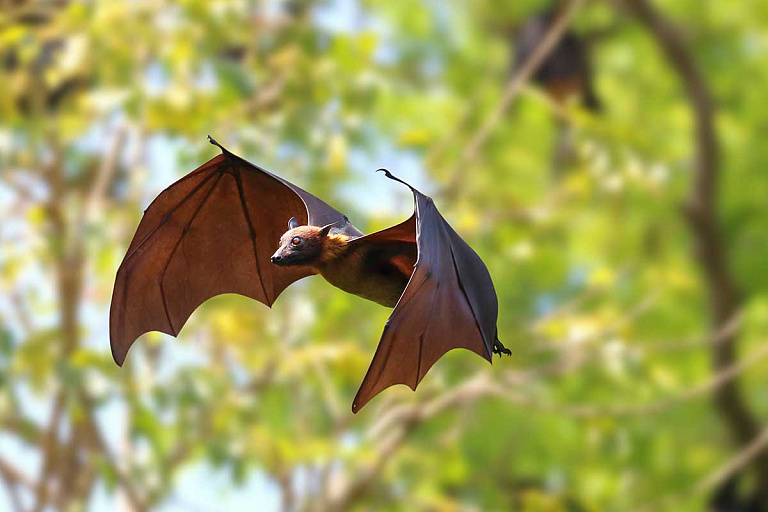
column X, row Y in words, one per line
column 500, row 349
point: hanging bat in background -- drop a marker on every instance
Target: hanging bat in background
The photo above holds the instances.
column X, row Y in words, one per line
column 214, row 231
column 566, row 71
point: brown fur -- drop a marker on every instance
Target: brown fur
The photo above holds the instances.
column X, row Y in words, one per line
column 375, row 272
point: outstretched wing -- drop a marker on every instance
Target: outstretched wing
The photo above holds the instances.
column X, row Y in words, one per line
column 449, row 303
column 211, row 232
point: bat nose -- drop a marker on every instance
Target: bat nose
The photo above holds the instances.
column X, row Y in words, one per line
column 276, row 258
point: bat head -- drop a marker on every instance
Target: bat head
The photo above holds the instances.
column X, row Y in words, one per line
column 301, row 245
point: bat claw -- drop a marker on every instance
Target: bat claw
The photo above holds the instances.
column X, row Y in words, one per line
column 395, row 178
column 215, row 143
column 500, row 349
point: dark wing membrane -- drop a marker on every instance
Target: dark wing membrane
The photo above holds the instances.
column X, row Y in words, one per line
column 211, row 232
column 449, row 303
column 320, row 214
column 403, row 232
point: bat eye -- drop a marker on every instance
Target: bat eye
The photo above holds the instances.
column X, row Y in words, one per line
column 296, row 240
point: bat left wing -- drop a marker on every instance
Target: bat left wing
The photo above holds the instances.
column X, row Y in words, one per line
column 211, row 232
column 449, row 302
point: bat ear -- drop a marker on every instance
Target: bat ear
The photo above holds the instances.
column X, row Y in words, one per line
column 326, row 229
column 293, row 223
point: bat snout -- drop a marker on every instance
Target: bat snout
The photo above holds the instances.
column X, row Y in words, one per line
column 280, row 258
column 287, row 258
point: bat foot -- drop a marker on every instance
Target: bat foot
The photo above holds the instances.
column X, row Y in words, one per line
column 500, row 349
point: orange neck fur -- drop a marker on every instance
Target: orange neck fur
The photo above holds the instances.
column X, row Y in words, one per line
column 334, row 246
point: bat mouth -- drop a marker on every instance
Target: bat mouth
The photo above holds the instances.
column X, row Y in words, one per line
column 278, row 260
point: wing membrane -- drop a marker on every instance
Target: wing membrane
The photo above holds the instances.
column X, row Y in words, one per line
column 211, row 232
column 450, row 302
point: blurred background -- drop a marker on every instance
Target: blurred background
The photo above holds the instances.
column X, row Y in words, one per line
column 605, row 158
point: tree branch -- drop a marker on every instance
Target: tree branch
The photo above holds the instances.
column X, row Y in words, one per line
column 401, row 421
column 99, row 446
column 12, row 478
column 724, row 297
column 105, row 173
column 722, row 379
column 735, row 464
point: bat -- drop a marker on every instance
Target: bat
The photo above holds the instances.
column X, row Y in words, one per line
column 213, row 231
column 566, row 71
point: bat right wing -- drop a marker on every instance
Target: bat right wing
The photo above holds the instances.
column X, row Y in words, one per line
column 449, row 302
column 211, row 232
